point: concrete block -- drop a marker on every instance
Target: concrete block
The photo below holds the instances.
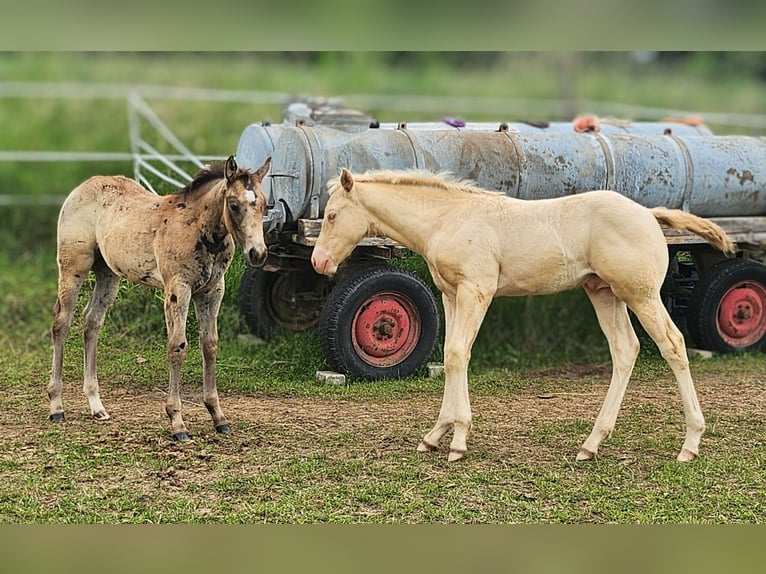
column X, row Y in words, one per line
column 435, row 369
column 701, row 353
column 331, row 377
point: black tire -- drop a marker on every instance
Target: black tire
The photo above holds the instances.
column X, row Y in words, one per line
column 281, row 301
column 379, row 323
column 727, row 308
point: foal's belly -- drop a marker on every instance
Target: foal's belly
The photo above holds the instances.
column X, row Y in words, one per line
column 130, row 254
column 544, row 278
column 141, row 270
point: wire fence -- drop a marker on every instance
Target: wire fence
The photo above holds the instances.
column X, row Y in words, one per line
column 145, row 156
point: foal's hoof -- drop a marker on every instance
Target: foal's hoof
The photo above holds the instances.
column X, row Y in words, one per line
column 182, row 436
column 455, row 454
column 425, row 447
column 56, row 417
column 584, row 455
column 685, row 456
column 101, row 416
column 223, row 428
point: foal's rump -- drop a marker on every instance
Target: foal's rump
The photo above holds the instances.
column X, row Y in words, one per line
column 627, row 244
column 90, row 201
column 106, row 216
column 622, row 243
column 104, row 190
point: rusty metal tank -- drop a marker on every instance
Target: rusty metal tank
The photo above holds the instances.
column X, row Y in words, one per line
column 655, row 163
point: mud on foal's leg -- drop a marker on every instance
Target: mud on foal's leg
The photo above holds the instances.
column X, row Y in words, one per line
column 177, row 299
column 207, row 306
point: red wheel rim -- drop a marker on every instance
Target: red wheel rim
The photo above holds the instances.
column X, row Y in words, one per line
column 742, row 314
column 386, row 329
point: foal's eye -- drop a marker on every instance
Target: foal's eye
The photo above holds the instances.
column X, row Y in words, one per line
column 332, row 216
column 234, row 207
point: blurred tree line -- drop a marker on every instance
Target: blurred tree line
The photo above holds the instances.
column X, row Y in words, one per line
column 713, row 64
column 706, row 64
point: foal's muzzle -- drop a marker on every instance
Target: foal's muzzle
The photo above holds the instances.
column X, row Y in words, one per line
column 256, row 257
column 322, row 262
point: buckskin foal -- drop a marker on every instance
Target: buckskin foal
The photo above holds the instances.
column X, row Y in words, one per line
column 182, row 243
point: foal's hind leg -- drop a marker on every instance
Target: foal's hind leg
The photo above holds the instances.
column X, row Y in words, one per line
column 73, row 270
column 206, row 307
column 660, row 327
column 104, row 293
column 612, row 314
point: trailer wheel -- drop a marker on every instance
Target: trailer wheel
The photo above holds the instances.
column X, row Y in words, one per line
column 727, row 309
column 271, row 302
column 379, row 323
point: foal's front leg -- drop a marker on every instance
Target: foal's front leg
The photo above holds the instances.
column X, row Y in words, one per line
column 446, row 412
column 207, row 306
column 177, row 297
column 463, row 316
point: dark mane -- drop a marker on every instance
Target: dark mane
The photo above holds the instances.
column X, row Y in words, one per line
column 210, row 173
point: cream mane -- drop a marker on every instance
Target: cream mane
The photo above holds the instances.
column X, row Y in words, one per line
column 414, row 178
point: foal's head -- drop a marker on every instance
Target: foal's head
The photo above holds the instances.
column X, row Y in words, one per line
column 345, row 223
column 245, row 204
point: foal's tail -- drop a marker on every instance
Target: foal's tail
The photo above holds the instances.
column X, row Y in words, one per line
column 705, row 228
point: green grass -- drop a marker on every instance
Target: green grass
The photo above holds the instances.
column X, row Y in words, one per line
column 81, row 472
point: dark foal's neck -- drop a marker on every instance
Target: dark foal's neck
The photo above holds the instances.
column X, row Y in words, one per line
column 207, row 203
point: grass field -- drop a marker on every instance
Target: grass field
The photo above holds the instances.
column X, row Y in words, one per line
column 303, row 451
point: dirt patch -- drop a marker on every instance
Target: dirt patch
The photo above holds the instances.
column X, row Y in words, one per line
column 293, row 459
column 565, row 396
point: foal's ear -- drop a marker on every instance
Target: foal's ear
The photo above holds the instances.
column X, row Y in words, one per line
column 230, row 169
column 346, row 179
column 264, row 169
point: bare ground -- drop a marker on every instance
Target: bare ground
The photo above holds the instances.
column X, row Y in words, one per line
column 537, row 426
column 501, row 421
